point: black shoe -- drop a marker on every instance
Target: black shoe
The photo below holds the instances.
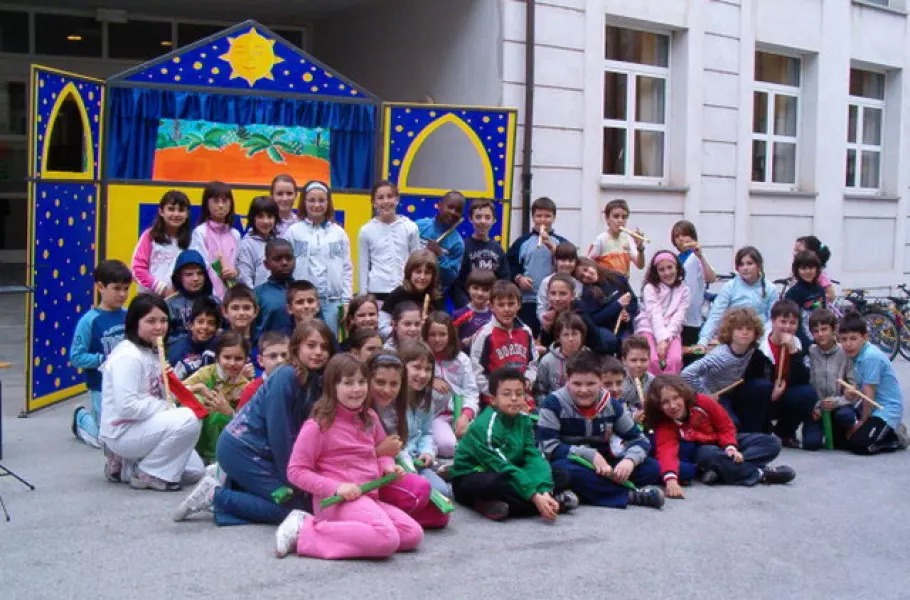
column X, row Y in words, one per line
column 709, row 477
column 647, row 496
column 778, row 474
column 495, row 510
column 76, row 419
column 568, row 501
column 790, row 442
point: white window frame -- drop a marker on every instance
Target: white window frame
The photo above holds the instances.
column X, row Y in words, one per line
column 862, row 103
column 632, row 71
column 772, row 90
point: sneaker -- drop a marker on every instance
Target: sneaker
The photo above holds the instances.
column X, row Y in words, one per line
column 777, row 474
column 903, row 437
column 647, row 496
column 568, row 501
column 214, row 471
column 74, row 425
column 144, row 481
column 790, row 442
column 199, row 499
column 709, row 477
column 495, row 510
column 112, row 466
column 287, row 533
column 127, row 470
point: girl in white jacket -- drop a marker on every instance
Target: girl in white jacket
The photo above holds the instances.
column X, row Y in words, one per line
column 385, row 243
column 454, row 377
column 141, row 430
column 323, row 251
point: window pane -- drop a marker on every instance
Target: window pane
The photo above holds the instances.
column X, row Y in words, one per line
column 639, row 47
column 785, row 115
column 67, row 36
column 852, row 120
column 187, row 33
column 13, row 31
column 650, row 99
column 66, row 150
column 292, row 35
column 649, row 153
column 871, row 166
column 759, row 112
column 615, row 94
column 759, row 158
column 614, row 151
column 13, row 111
column 775, row 68
column 872, row 126
column 851, row 168
column 866, row 84
column 783, row 169
column 138, row 39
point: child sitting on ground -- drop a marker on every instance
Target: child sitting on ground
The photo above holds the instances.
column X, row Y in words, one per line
column 607, row 299
column 405, row 325
column 806, row 292
column 636, row 354
column 828, row 365
column 498, row 470
column 577, row 421
column 561, row 301
column 97, row 332
column 191, row 352
column 335, row 453
column 363, row 312
column 569, row 332
column 472, row 317
column 219, row 387
column 273, row 352
column 191, row 282
column 695, row 429
column 879, row 428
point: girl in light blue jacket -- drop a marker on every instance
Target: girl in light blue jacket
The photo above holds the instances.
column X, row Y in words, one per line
column 749, row 289
column 420, row 447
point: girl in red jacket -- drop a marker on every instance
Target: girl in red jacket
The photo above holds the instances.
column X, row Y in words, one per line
column 692, row 427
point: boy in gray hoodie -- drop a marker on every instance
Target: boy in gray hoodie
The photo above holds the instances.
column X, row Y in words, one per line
column 828, row 363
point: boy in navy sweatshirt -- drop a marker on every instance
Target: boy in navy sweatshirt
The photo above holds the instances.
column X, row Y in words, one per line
column 480, row 252
column 191, row 352
column 97, row 332
column 578, row 421
column 272, row 295
column 472, row 317
column 531, row 258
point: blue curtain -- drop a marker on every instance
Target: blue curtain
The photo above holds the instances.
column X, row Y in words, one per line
column 135, row 113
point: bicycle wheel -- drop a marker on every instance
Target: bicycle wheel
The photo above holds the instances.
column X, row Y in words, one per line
column 882, row 331
column 905, row 338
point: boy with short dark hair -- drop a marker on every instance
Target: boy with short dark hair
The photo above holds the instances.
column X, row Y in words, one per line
column 447, row 246
column 272, row 294
column 302, row 304
column 191, row 352
column 879, row 428
column 792, row 395
column 569, row 333
column 480, row 252
column 577, row 422
column 503, row 342
column 828, row 364
column 191, row 280
column 531, row 258
column 239, row 309
column 273, row 352
column 96, row 334
column 636, row 352
column 472, row 317
column 615, row 249
column 498, row 469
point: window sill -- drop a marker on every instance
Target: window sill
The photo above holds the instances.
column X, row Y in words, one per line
column 796, row 194
column 874, row 197
column 874, row 6
column 608, row 185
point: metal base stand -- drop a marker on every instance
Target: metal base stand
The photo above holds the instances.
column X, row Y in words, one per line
column 4, row 472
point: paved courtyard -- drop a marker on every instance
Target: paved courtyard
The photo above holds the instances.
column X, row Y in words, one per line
column 840, row 530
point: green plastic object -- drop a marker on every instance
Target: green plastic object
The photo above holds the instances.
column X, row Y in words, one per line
column 828, row 428
column 282, row 495
column 457, row 407
column 342, row 332
column 444, row 505
column 365, row 488
column 586, row 463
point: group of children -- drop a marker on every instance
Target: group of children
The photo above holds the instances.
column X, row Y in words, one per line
column 519, row 383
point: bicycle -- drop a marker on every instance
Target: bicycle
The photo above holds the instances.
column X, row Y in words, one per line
column 880, row 323
column 900, row 311
column 710, row 296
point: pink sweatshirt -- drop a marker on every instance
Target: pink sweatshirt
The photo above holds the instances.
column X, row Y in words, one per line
column 344, row 453
column 662, row 311
column 153, row 263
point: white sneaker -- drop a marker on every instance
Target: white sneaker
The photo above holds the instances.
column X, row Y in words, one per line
column 198, row 500
column 214, row 471
column 287, row 533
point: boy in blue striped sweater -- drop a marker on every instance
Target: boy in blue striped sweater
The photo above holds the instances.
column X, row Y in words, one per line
column 576, row 423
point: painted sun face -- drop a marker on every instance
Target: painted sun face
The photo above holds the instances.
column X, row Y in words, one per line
column 251, row 57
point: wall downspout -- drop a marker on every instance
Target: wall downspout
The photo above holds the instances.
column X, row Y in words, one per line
column 528, row 136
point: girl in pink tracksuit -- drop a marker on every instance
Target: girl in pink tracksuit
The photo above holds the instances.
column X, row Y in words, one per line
column 410, row 493
column 335, row 453
column 662, row 312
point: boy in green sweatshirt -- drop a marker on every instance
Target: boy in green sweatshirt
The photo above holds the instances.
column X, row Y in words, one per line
column 498, row 470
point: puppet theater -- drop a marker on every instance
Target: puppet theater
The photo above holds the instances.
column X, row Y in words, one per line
column 241, row 107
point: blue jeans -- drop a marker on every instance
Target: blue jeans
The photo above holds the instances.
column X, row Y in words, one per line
column 246, row 496
column 758, row 449
column 842, row 419
column 792, row 408
column 330, row 313
column 603, row 491
column 88, row 420
column 436, row 482
column 749, row 405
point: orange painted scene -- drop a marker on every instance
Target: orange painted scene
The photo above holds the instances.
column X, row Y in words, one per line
column 199, row 151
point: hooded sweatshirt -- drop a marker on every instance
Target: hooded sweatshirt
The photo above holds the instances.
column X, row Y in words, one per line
column 323, row 254
column 180, row 305
column 736, row 293
column 250, row 260
column 551, row 373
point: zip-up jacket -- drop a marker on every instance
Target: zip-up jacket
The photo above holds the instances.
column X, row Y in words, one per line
column 826, row 368
column 383, row 250
column 526, row 258
column 705, row 423
column 495, row 346
column 323, row 255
